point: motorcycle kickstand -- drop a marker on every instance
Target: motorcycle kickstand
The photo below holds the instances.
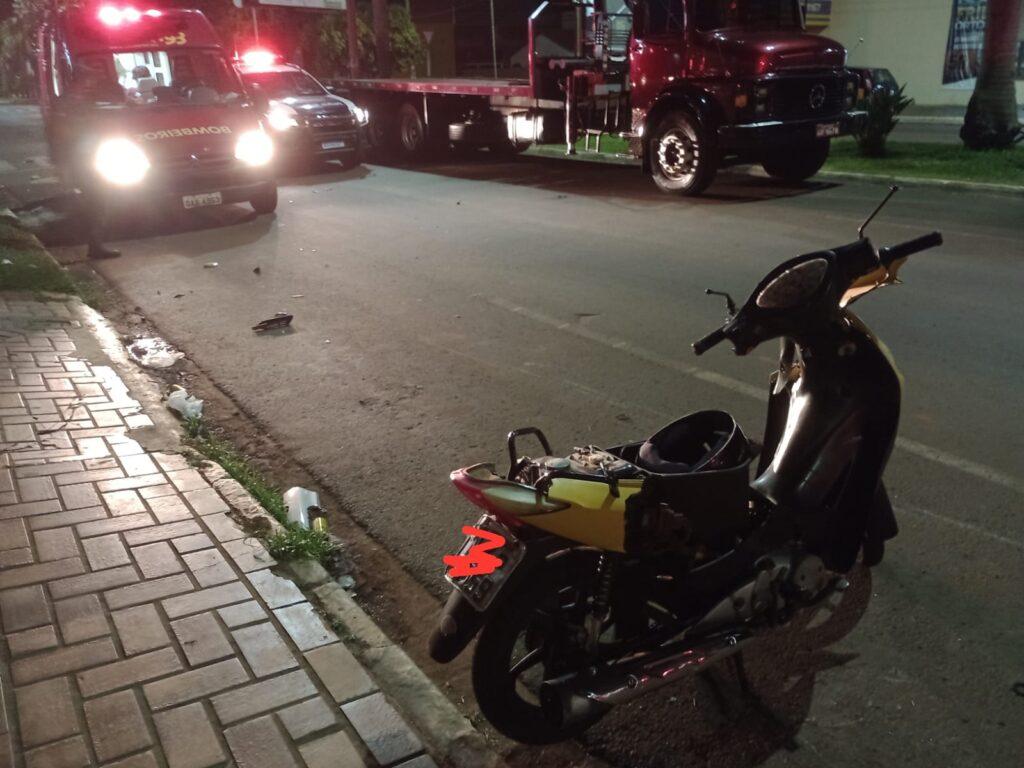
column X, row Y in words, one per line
column 757, row 703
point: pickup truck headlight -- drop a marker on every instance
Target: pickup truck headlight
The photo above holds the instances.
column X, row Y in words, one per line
column 254, row 148
column 121, row 162
column 362, row 115
column 281, row 117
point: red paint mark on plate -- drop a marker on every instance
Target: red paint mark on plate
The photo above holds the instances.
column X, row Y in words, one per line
column 478, row 561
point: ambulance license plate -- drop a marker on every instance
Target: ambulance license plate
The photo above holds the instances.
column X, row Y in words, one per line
column 824, row 130
column 333, row 145
column 200, row 201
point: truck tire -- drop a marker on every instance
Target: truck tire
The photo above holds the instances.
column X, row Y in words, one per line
column 411, row 132
column 796, row 162
column 265, row 201
column 684, row 160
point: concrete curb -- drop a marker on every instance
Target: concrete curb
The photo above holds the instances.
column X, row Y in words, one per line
column 960, row 186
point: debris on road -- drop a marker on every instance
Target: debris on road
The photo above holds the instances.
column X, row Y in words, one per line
column 211, row 265
column 298, row 295
column 178, row 295
column 256, row 270
column 346, row 582
column 153, row 352
column 280, row 320
column 304, row 508
column 186, row 405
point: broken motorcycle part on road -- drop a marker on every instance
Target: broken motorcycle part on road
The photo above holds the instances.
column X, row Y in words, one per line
column 280, row 320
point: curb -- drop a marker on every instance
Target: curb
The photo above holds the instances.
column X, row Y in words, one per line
column 911, row 181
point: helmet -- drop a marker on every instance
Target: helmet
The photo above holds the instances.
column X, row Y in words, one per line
column 700, row 442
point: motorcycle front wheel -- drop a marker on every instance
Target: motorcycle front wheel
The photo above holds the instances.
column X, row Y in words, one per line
column 533, row 637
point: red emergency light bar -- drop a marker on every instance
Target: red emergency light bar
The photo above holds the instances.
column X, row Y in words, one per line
column 259, row 57
column 113, row 16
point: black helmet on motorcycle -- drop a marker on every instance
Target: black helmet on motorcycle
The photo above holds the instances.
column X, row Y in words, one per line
column 701, row 441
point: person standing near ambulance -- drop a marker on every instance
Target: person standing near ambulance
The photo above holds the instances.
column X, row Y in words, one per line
column 143, row 110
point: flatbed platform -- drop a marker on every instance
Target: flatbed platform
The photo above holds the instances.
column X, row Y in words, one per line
column 452, row 86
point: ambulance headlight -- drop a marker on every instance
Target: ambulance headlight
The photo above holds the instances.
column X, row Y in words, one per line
column 281, row 117
column 254, row 148
column 121, row 162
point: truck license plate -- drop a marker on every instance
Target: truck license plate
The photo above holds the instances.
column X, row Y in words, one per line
column 481, row 590
column 199, row 201
column 333, row 145
column 824, row 130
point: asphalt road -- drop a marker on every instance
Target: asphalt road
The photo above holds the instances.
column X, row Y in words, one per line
column 437, row 307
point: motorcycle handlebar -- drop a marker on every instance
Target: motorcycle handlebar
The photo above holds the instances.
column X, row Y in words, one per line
column 713, row 338
column 892, row 253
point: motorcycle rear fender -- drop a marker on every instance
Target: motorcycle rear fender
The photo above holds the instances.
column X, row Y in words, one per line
column 460, row 622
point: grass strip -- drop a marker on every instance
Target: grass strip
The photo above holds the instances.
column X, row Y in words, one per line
column 943, row 162
column 26, row 266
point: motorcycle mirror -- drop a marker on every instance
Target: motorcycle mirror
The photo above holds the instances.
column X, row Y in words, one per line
column 729, row 303
column 892, row 191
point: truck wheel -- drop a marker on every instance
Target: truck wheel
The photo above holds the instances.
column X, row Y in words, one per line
column 265, row 201
column 412, row 133
column 683, row 160
column 796, row 162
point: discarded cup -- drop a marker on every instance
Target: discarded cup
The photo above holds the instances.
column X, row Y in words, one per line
column 186, row 405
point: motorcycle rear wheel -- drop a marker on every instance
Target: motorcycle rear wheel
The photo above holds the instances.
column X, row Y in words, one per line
column 529, row 640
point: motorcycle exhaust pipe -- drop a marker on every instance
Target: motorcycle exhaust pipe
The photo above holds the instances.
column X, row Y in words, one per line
column 578, row 697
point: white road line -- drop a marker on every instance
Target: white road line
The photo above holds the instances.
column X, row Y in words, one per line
column 742, row 388
column 902, row 508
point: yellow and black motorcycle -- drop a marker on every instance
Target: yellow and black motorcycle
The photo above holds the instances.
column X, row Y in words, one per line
column 602, row 575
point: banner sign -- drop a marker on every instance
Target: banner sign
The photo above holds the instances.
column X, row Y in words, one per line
column 817, row 13
column 965, row 43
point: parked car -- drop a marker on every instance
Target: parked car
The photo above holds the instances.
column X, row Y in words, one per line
column 308, row 122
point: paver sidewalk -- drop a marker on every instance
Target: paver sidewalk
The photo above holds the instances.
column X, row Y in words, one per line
column 141, row 626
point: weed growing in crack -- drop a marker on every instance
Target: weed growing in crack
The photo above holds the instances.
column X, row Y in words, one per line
column 295, row 543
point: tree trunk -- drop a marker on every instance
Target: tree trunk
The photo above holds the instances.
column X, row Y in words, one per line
column 382, row 35
column 352, row 28
column 991, row 120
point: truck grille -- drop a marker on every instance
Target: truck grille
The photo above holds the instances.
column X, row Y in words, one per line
column 332, row 124
column 794, row 98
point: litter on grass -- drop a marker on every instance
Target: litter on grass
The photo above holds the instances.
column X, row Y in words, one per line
column 185, row 405
column 154, row 353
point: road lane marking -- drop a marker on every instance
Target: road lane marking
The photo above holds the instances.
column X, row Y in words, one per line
column 903, row 508
column 913, row 447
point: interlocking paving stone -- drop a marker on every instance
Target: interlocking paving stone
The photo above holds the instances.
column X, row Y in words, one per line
column 36, row 489
column 264, row 649
column 147, row 591
column 305, row 626
column 192, row 543
column 205, row 501
column 205, row 599
column 137, row 669
column 343, row 676
column 33, row 574
column 31, row 640
column 382, row 729
column 89, row 476
column 243, row 613
column 70, row 753
column 114, row 524
column 140, row 629
column 259, row 744
column 195, row 684
column 29, row 508
column 116, row 725
column 70, row 658
column 202, row 639
column 159, row 491
column 277, row 591
column 169, row 509
column 105, row 552
column 56, row 544
column 23, row 608
column 15, row 557
column 71, row 517
column 223, row 527
column 141, row 760
column 13, row 534
column 137, row 463
column 307, row 717
column 209, row 567
column 93, row 582
column 81, row 618
column 78, row 496
column 187, row 479
column 423, row 761
column 124, row 503
column 249, row 554
column 126, row 483
column 188, row 738
column 162, row 532
column 157, row 559
column 332, row 751
column 46, row 712
column 263, row 696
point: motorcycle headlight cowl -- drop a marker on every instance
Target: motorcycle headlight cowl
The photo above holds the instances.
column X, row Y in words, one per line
column 121, row 162
column 254, row 148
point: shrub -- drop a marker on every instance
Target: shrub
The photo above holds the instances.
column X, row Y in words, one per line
column 882, row 105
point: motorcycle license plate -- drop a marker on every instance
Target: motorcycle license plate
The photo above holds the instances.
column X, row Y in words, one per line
column 200, row 201
column 480, row 590
column 333, row 145
column 824, row 130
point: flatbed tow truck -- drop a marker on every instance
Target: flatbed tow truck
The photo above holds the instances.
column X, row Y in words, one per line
column 692, row 84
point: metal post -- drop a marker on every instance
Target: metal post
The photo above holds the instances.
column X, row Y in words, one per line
column 494, row 43
column 255, row 25
column 352, row 25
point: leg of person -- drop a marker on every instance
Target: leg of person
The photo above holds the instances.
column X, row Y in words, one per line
column 96, row 222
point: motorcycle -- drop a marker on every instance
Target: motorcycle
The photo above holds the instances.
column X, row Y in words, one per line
column 612, row 572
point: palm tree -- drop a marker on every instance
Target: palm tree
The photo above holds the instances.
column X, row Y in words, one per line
column 991, row 119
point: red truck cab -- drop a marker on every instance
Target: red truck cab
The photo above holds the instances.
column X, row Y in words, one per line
column 143, row 105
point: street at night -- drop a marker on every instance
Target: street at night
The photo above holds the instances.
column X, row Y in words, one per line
column 438, row 306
